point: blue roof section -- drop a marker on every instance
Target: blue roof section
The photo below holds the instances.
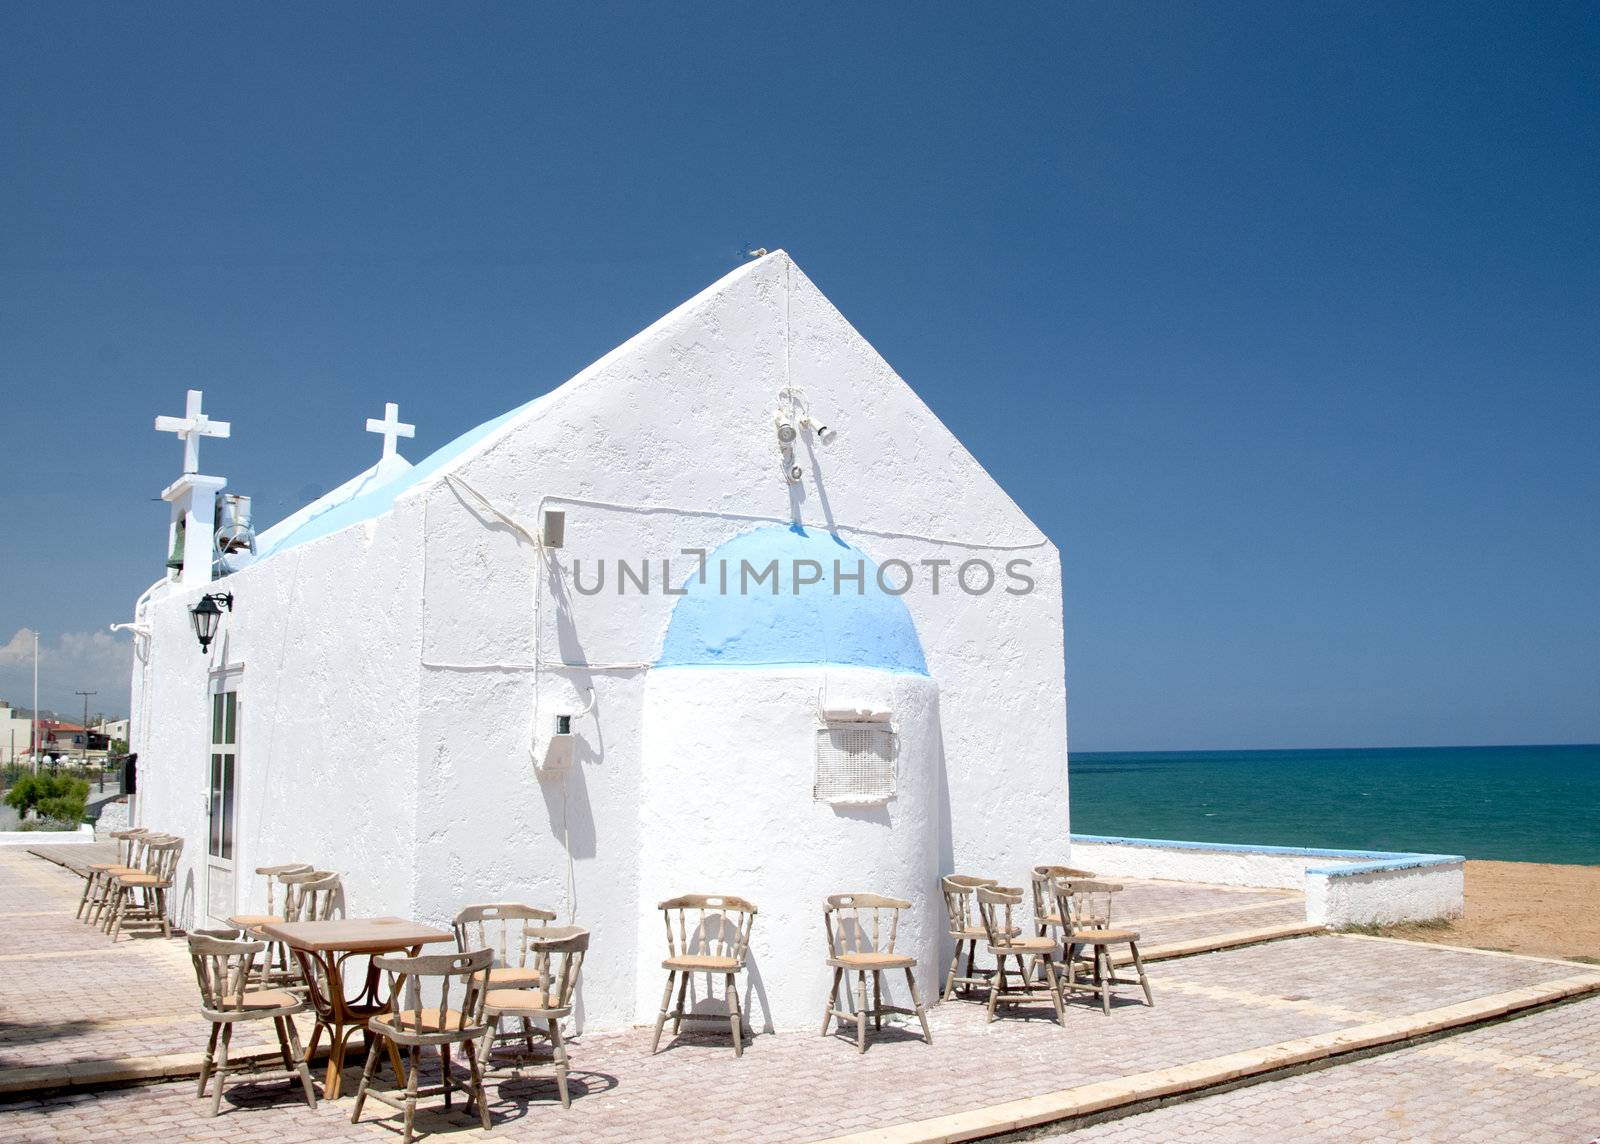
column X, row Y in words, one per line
column 381, row 499
column 734, row 618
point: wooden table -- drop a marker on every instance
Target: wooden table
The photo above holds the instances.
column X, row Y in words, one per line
column 322, row 948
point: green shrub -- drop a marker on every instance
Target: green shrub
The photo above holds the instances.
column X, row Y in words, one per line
column 57, row 797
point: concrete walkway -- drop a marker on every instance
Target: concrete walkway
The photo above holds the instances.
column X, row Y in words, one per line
column 85, row 1001
column 1534, row 1078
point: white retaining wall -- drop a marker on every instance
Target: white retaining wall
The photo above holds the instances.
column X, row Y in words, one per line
column 84, row 833
column 1342, row 887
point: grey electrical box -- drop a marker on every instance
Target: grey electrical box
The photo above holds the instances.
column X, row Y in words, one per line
column 554, row 530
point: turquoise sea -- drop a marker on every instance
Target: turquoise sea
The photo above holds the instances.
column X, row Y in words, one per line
column 1523, row 804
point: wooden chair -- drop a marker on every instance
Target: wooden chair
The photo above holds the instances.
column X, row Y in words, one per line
column 999, row 907
column 223, row 966
column 858, row 943
column 314, row 896
column 557, row 957
column 1045, row 915
column 273, row 874
column 97, row 883
column 143, row 896
column 716, row 944
column 275, row 965
column 411, row 1025
column 966, row 926
column 506, row 928
column 1085, row 909
column 99, row 912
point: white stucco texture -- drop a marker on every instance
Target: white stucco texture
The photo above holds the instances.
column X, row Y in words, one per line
column 401, row 658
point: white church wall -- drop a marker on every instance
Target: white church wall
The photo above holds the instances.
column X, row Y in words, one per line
column 727, row 807
column 390, row 668
column 326, row 764
column 667, row 443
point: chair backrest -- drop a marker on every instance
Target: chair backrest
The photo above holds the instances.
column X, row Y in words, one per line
column 959, row 902
column 557, row 952
column 127, row 841
column 222, row 967
column 312, row 897
column 1001, row 909
column 504, row 927
column 272, row 873
column 862, row 923
column 425, row 983
column 721, row 926
column 161, row 857
column 1044, row 899
column 139, row 855
column 1083, row 903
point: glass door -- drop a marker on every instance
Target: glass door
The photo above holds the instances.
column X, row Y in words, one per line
column 222, row 802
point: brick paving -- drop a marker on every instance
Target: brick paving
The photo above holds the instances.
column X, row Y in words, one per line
column 71, row 996
column 789, row 1086
column 1165, row 912
column 1536, row 1078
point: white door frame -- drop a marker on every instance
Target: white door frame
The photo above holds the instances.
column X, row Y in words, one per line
column 222, row 793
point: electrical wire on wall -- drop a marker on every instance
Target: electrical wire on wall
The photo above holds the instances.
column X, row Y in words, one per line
column 544, row 564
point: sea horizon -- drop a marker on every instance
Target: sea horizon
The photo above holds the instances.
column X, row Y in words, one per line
column 1506, row 802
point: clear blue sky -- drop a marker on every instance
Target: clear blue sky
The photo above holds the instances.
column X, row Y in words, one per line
column 1283, row 320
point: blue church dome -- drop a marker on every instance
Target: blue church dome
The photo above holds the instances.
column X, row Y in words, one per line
column 732, row 617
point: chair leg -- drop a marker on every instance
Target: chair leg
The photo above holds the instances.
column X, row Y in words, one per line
column 916, row 1001
column 861, row 1012
column 735, row 1018
column 412, row 1073
column 366, row 1081
column 211, row 1056
column 83, row 902
column 477, row 1084
column 1054, row 984
column 161, row 904
column 444, row 1073
column 299, row 1059
column 222, row 1068
column 661, row 1018
column 283, row 1043
column 683, row 994
column 115, row 926
column 877, row 1000
column 395, row 1063
column 950, row 978
column 1102, row 970
column 996, row 984
column 559, row 1048
column 1138, row 965
column 833, row 996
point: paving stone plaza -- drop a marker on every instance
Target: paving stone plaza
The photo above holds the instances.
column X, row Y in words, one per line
column 79, row 1010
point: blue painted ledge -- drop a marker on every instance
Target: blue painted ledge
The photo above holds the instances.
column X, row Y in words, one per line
column 1368, row 861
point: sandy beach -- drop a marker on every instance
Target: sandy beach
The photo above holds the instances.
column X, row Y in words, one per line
column 1525, row 907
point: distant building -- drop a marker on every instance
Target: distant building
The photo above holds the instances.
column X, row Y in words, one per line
column 16, row 732
column 112, row 729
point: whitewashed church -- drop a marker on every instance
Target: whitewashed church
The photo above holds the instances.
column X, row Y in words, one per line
column 729, row 611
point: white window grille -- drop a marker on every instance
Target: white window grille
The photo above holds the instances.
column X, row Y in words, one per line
column 855, row 763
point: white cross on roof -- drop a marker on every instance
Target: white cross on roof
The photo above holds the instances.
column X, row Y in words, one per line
column 192, row 426
column 391, row 427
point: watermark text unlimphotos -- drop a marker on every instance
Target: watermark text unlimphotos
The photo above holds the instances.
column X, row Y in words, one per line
column 893, row 577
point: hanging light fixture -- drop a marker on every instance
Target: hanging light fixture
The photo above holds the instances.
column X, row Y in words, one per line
column 206, row 613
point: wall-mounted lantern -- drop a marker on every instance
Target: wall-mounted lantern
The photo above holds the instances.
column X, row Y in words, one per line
column 205, row 615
